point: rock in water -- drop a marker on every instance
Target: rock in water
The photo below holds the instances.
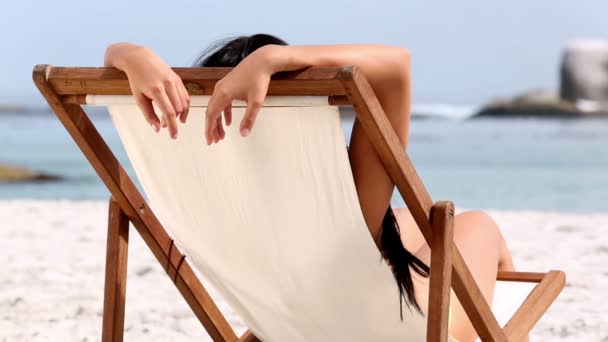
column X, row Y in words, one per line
column 584, row 72
column 540, row 103
column 11, row 174
column 583, row 89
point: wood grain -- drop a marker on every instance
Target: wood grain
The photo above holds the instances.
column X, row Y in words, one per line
column 198, row 81
column 442, row 223
column 339, row 100
column 524, row 277
column 116, row 275
column 135, row 207
column 534, row 306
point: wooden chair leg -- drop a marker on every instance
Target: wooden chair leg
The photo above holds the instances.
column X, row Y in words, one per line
column 442, row 224
column 116, row 275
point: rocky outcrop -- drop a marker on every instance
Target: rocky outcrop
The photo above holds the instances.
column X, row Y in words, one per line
column 12, row 174
column 539, row 103
column 583, row 88
column 584, row 72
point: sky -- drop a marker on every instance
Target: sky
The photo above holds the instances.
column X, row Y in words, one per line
column 463, row 52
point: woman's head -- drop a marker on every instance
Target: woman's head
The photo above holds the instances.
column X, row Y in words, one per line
column 230, row 52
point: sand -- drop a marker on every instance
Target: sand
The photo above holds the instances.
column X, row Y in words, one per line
column 51, row 283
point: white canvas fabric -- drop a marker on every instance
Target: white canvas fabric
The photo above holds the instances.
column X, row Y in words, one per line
column 272, row 220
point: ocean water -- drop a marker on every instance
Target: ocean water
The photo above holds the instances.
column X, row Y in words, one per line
column 519, row 164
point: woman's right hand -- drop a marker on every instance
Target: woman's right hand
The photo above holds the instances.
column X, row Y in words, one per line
column 151, row 81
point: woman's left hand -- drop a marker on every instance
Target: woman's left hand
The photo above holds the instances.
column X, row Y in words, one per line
column 248, row 82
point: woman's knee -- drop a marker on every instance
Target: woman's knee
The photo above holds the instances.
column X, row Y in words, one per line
column 480, row 226
column 478, row 221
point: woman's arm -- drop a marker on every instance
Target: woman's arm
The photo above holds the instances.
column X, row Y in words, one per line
column 386, row 68
column 388, row 72
column 151, row 80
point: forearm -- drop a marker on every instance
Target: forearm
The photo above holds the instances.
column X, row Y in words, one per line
column 118, row 55
column 377, row 61
column 387, row 69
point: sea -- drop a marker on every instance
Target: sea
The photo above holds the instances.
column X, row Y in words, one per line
column 557, row 165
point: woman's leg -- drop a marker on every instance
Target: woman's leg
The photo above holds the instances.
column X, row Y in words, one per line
column 484, row 250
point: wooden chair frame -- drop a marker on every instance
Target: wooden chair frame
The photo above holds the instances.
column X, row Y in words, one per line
column 65, row 90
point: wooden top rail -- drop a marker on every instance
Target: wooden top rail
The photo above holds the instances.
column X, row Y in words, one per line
column 198, row 81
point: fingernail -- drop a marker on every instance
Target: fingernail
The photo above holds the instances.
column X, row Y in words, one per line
column 245, row 132
column 174, row 135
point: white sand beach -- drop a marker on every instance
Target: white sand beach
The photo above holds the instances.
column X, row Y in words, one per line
column 51, row 285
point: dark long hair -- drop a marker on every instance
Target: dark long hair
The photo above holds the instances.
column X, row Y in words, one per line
column 228, row 53
column 401, row 261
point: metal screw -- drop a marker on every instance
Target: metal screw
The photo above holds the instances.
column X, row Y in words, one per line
column 451, row 213
column 142, row 209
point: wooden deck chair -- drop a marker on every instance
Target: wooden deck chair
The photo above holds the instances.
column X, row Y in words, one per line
column 312, row 277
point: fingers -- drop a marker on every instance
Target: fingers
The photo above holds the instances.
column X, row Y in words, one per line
column 174, row 96
column 163, row 102
column 145, row 105
column 221, row 101
column 214, row 133
column 176, row 103
column 185, row 99
column 253, row 108
column 219, row 133
column 217, row 103
column 220, row 129
column 228, row 114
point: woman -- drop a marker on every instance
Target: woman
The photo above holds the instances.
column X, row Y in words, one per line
column 255, row 59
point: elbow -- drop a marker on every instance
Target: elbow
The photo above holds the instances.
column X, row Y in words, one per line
column 396, row 64
column 116, row 53
column 403, row 55
column 402, row 62
column 109, row 54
